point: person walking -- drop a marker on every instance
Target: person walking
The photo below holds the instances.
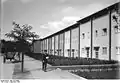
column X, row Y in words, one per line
column 44, row 62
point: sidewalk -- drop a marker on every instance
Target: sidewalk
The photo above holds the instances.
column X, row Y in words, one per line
column 6, row 69
column 33, row 70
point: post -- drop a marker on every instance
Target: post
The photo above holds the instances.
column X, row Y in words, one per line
column 59, row 45
column 70, row 41
column 54, row 45
column 79, row 41
column 109, row 35
column 22, row 64
column 91, row 37
column 51, row 46
column 63, row 43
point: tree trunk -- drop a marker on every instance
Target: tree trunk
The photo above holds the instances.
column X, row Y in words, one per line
column 22, row 64
column 19, row 56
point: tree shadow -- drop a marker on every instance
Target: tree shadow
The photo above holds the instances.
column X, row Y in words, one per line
column 50, row 69
column 16, row 61
column 40, row 69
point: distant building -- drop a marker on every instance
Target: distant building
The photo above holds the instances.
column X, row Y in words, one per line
column 96, row 36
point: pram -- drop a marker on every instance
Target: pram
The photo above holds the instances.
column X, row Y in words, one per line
column 9, row 55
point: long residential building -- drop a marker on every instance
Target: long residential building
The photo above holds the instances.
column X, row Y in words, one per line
column 95, row 36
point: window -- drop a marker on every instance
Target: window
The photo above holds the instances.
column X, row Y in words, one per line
column 96, row 33
column 117, row 50
column 88, row 35
column 104, row 50
column 117, row 29
column 83, row 50
column 83, row 35
column 104, row 31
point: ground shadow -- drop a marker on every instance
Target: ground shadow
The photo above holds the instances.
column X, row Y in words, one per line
column 16, row 61
column 50, row 69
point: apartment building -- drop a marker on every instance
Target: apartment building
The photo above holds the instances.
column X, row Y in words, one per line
column 96, row 36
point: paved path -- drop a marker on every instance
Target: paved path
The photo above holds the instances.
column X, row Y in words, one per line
column 6, row 69
column 33, row 70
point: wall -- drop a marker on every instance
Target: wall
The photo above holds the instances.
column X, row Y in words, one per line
column 61, row 45
column 67, row 44
column 115, row 39
column 42, row 45
column 56, row 45
column 101, row 40
column 50, row 46
column 86, row 41
column 74, row 42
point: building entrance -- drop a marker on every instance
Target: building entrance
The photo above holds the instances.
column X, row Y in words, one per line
column 87, row 49
column 96, row 52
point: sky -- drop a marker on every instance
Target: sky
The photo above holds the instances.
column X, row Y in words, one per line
column 47, row 16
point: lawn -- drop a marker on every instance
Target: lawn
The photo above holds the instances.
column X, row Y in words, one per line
column 111, row 74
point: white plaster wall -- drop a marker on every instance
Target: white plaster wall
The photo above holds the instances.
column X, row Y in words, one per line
column 85, row 28
column 101, row 41
column 44, row 46
column 74, row 41
column 61, row 44
column 67, row 43
column 115, row 39
column 56, row 45
column 37, row 47
column 41, row 46
column 49, row 45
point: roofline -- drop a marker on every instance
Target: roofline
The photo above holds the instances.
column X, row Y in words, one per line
column 63, row 30
column 99, row 13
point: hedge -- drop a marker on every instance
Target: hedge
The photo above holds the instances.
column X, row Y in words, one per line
column 62, row 61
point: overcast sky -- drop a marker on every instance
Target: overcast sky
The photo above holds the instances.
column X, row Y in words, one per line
column 48, row 16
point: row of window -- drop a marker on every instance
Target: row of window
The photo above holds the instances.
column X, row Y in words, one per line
column 104, row 50
column 104, row 33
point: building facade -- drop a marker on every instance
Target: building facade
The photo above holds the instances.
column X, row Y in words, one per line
column 96, row 36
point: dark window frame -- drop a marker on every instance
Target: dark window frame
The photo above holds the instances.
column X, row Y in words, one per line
column 104, row 32
column 96, row 33
column 83, row 35
column 104, row 50
column 118, row 50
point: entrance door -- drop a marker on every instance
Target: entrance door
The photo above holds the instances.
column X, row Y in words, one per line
column 68, row 52
column 87, row 50
column 96, row 52
column 73, row 50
